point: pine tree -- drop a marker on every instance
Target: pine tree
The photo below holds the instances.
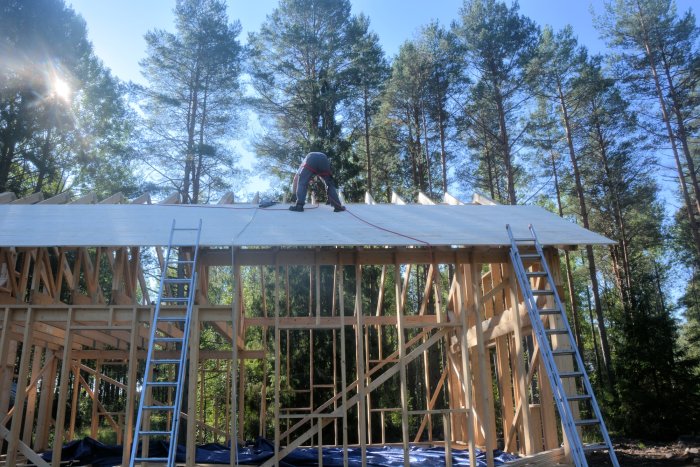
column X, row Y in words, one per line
column 303, row 75
column 555, row 74
column 63, row 119
column 658, row 57
column 191, row 99
column 499, row 43
column 371, row 71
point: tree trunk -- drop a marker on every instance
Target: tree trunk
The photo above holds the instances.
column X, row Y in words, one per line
column 505, row 146
column 7, row 146
column 569, row 274
column 197, row 176
column 690, row 208
column 7, row 154
column 589, row 249
column 443, row 152
column 365, row 110
column 191, row 125
column 624, row 273
column 682, row 132
column 427, row 154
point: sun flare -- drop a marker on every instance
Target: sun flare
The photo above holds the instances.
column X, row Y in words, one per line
column 61, row 89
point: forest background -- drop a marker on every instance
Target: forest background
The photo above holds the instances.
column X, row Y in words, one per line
column 493, row 103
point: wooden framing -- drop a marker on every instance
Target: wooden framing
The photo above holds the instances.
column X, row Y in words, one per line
column 401, row 346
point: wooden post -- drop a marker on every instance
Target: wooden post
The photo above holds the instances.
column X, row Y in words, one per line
column 94, row 422
column 235, row 321
column 63, row 392
column 275, row 350
column 7, row 363
column 361, row 381
column 484, row 385
column 459, row 301
column 343, row 363
column 448, row 438
column 192, row 389
column 20, row 393
column 263, row 362
column 31, row 397
column 48, row 385
column 426, row 359
column 131, row 387
column 402, row 363
column 502, row 356
column 520, row 373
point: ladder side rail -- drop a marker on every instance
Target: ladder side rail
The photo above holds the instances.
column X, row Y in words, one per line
column 547, row 357
column 559, row 394
column 172, row 451
column 149, row 353
column 181, row 371
column 577, row 355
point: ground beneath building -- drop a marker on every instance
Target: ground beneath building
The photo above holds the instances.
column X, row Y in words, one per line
column 637, row 453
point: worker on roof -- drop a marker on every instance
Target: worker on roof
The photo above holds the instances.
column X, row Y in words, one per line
column 315, row 163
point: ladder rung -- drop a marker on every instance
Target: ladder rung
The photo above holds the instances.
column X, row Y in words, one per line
column 151, row 459
column 536, row 274
column 161, row 384
column 548, row 311
column 570, row 374
column 154, row 433
column 158, row 407
column 175, row 319
column 186, row 228
column 587, row 421
column 165, row 361
column 529, row 239
column 578, row 397
column 174, row 299
column 595, row 447
column 178, row 280
column 563, row 352
column 542, row 292
column 557, row 330
column 168, row 339
column 530, row 256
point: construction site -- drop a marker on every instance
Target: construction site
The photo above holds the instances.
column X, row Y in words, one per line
column 382, row 335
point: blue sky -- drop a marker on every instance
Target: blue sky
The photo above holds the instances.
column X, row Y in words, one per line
column 116, row 27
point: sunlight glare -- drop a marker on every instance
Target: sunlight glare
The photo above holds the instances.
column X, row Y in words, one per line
column 61, row 89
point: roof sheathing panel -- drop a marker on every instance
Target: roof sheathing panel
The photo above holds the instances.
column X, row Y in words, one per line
column 248, row 225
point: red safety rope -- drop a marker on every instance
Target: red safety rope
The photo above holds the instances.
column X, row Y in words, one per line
column 388, row 230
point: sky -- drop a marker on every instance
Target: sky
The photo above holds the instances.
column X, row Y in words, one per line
column 117, row 27
column 117, row 32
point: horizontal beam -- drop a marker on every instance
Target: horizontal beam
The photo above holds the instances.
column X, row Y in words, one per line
column 349, row 256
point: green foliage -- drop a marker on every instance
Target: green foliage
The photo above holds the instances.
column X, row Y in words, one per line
column 64, row 122
column 304, row 73
column 498, row 43
column 191, row 100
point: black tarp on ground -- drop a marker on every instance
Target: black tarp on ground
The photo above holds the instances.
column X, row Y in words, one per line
column 89, row 451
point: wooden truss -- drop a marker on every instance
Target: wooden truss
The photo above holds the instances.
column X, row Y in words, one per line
column 399, row 346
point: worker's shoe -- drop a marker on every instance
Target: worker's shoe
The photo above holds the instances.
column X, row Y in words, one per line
column 297, row 208
column 339, row 208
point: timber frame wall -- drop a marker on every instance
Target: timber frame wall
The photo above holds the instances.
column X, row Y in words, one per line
column 448, row 319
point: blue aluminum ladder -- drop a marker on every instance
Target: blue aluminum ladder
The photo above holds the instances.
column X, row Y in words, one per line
column 528, row 249
column 170, row 331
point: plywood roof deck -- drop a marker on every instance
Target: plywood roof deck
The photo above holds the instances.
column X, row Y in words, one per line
column 247, row 225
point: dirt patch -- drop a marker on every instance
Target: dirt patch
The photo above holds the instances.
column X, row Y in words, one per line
column 631, row 453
